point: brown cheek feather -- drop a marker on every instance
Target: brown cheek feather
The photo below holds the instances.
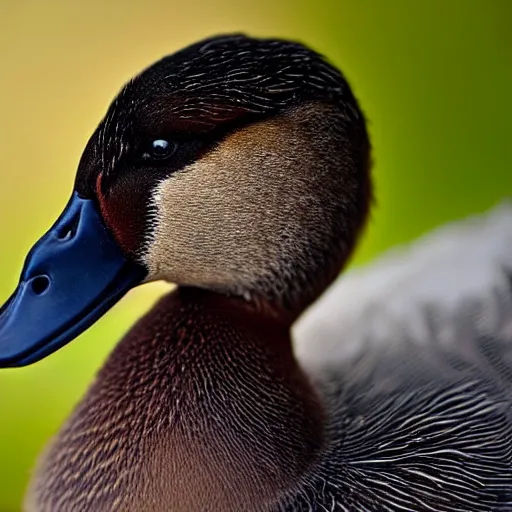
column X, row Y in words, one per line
column 118, row 213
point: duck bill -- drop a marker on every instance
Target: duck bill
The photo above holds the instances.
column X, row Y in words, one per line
column 71, row 277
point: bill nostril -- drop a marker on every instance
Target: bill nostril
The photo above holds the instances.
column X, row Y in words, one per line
column 40, row 284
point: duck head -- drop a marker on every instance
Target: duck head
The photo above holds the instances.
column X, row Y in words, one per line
column 237, row 165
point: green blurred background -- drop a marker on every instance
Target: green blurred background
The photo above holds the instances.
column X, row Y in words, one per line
column 434, row 78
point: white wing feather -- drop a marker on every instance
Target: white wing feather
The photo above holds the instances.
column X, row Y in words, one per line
column 462, row 264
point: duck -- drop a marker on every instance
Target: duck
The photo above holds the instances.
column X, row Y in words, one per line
column 239, row 169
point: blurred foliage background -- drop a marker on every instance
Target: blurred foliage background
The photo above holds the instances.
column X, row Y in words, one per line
column 434, row 78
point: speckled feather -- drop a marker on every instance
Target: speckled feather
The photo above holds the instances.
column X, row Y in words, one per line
column 196, row 395
column 416, row 428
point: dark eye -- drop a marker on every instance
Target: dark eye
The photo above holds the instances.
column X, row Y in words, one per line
column 158, row 149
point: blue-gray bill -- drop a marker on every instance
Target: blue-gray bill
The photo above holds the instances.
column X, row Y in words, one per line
column 71, row 277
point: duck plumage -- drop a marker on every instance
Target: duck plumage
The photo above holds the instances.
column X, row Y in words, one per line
column 239, row 169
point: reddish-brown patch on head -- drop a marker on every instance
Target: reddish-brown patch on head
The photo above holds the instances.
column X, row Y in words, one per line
column 118, row 212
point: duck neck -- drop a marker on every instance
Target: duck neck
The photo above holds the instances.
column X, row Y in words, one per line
column 234, row 418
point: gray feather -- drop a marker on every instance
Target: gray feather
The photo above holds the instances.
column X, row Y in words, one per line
column 418, row 380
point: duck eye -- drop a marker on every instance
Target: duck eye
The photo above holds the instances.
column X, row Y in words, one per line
column 158, row 149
